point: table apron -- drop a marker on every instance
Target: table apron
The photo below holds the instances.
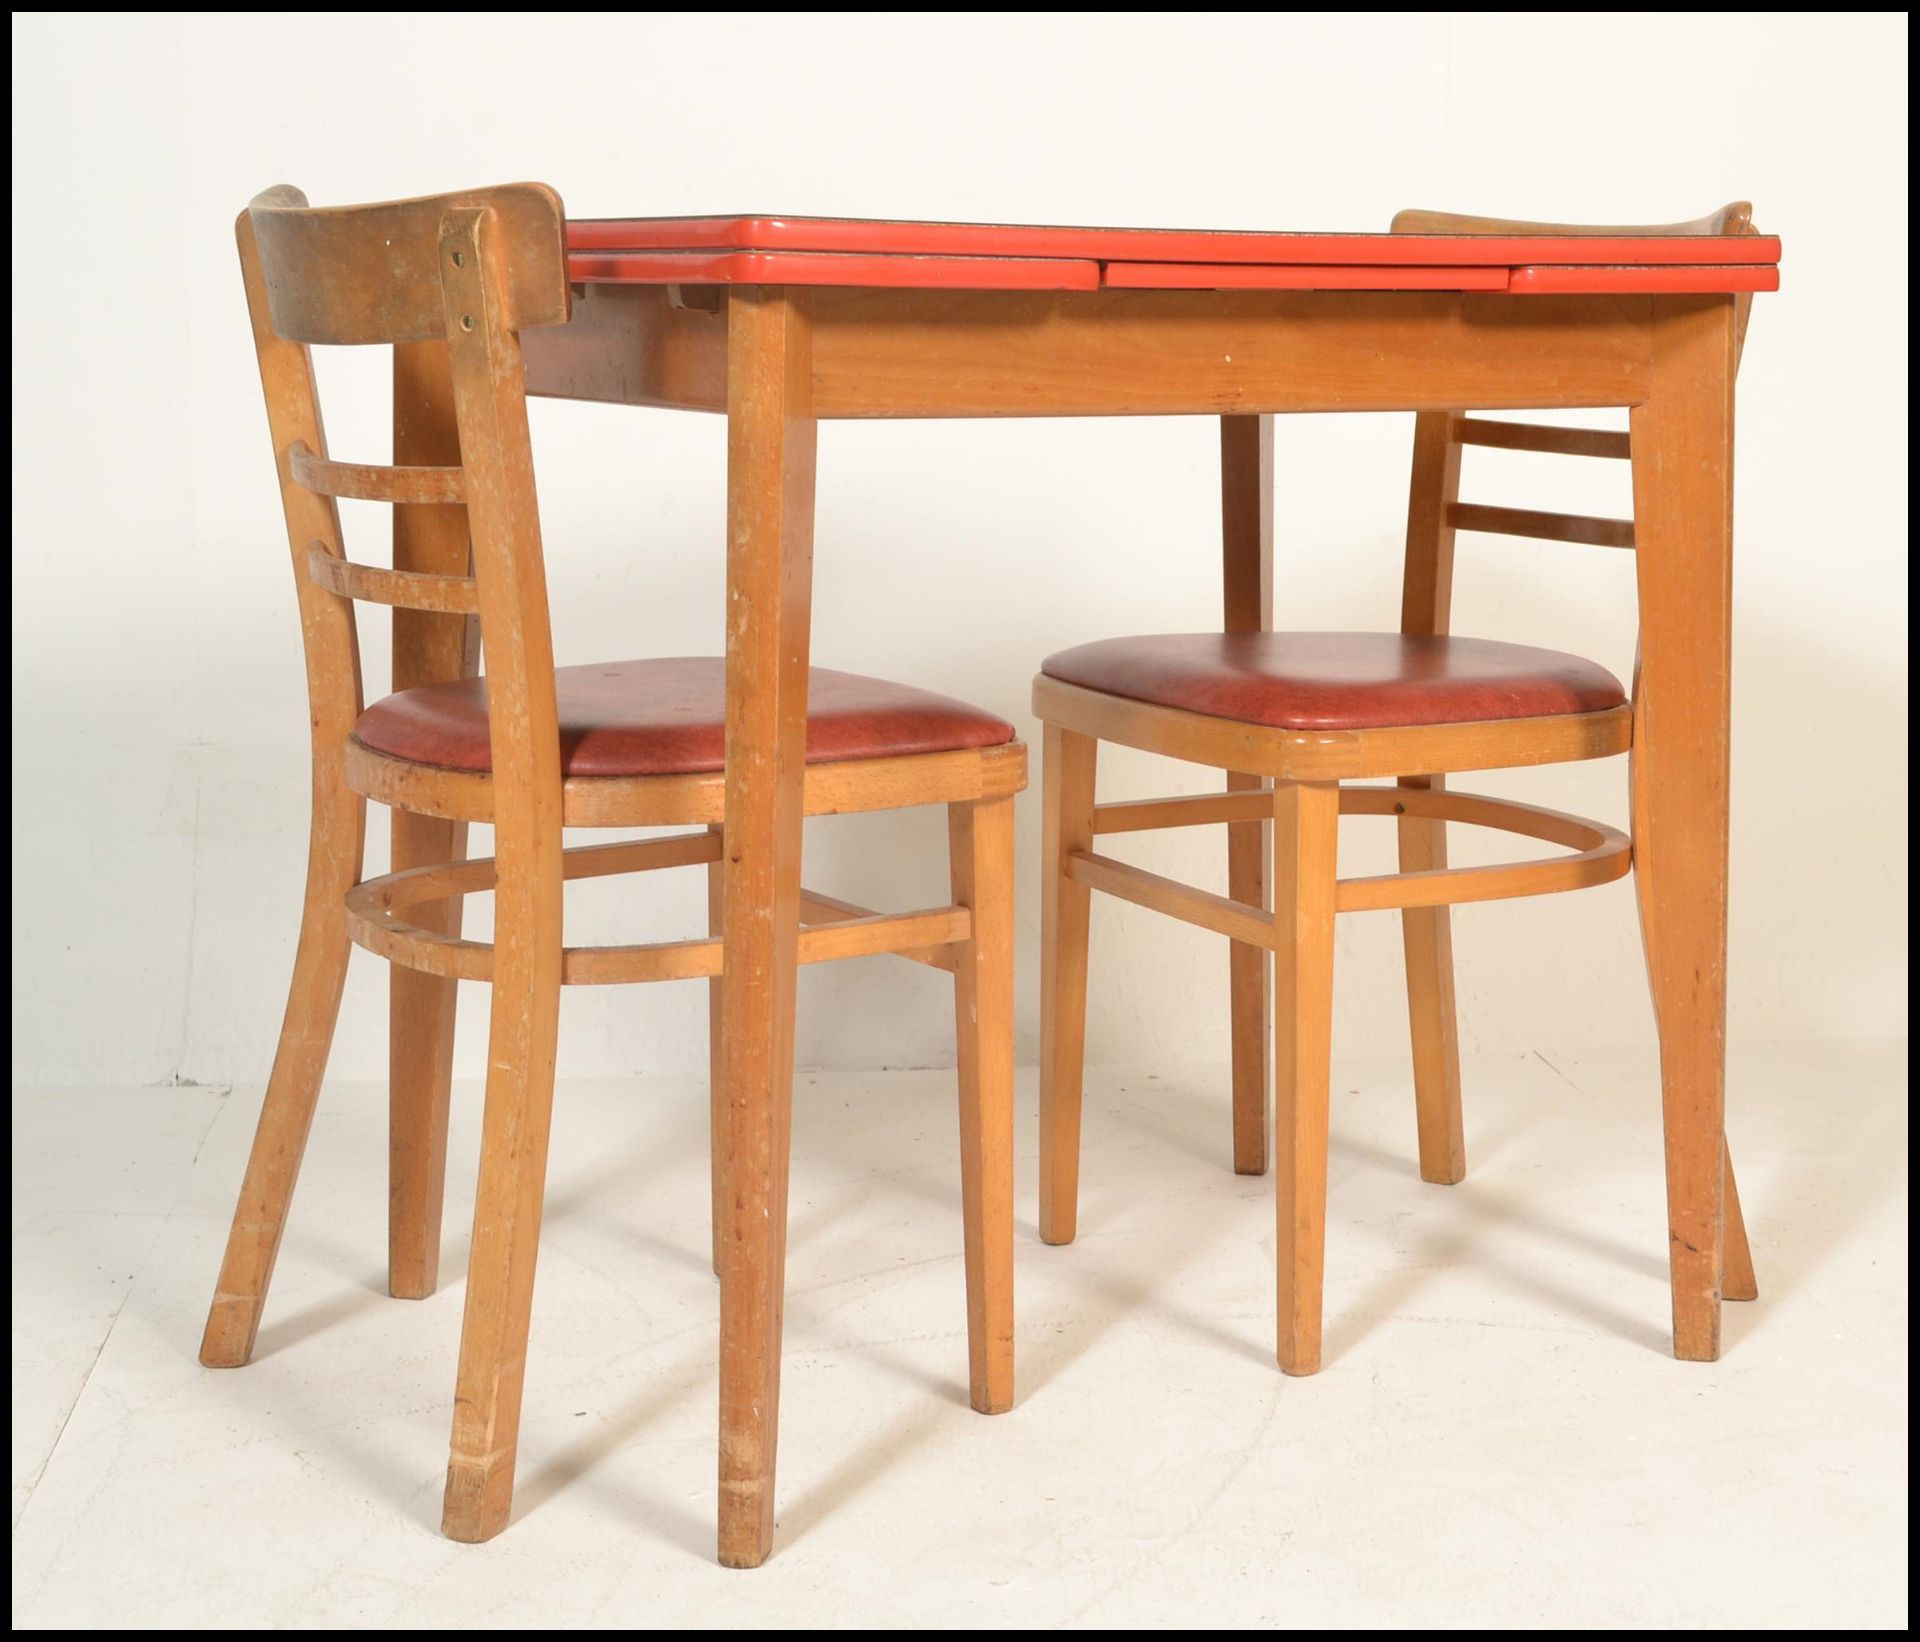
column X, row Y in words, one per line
column 883, row 354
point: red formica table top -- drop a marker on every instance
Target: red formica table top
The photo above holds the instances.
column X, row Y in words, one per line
column 958, row 256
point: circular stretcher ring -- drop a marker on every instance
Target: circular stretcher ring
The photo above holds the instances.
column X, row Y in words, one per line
column 1602, row 853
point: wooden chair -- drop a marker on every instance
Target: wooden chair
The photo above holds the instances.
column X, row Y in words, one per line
column 451, row 282
column 1291, row 718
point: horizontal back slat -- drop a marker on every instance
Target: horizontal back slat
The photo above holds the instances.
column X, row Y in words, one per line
column 1537, row 436
column 1550, row 527
column 406, row 589
column 355, row 481
column 371, row 273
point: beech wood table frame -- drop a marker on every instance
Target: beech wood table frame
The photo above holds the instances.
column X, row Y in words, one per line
column 779, row 323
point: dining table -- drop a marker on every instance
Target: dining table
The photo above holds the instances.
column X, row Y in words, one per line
column 780, row 322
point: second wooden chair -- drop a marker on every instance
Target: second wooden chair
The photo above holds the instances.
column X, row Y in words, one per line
column 1292, row 718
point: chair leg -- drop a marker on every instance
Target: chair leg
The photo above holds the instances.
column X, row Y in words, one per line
column 506, row 1216
column 716, row 1081
column 1427, row 933
column 1250, row 982
column 1737, row 1281
column 1305, row 838
column 306, row 1035
column 420, row 1074
column 981, row 846
column 1067, row 777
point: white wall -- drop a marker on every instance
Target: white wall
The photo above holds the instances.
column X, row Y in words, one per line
column 159, row 760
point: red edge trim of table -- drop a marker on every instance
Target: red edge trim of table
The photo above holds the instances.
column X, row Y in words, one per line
column 684, row 267
column 769, row 250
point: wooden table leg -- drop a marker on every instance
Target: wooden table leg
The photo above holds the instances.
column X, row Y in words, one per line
column 1068, row 767
column 1683, row 521
column 428, row 648
column 1246, row 511
column 771, row 439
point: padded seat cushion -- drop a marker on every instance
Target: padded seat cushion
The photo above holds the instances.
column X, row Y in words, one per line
column 1338, row 681
column 667, row 716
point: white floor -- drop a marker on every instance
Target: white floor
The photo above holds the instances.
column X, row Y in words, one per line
column 1499, row 1436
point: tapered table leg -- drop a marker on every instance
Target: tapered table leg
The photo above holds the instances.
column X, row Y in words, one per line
column 1683, row 521
column 1246, row 516
column 770, row 470
column 429, row 647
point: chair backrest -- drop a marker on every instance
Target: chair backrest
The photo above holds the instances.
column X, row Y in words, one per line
column 450, row 282
column 1435, row 510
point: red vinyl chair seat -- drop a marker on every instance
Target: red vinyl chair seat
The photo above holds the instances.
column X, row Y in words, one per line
column 1338, row 681
column 667, row 716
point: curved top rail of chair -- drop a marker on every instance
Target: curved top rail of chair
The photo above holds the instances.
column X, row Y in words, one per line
column 363, row 274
